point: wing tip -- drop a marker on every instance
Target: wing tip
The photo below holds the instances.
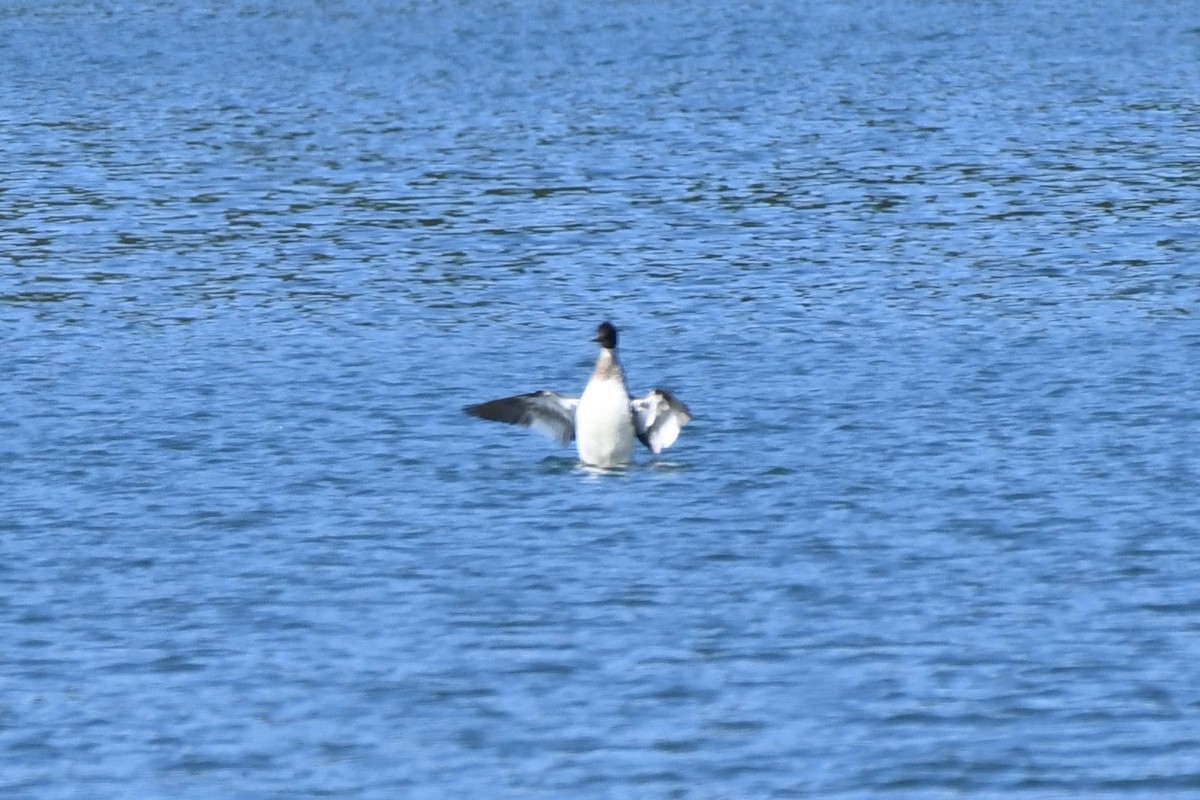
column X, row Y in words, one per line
column 675, row 404
column 502, row 410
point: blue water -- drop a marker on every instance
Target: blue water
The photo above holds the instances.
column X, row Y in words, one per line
column 927, row 274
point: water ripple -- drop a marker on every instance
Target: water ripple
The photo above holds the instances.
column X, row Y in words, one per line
column 925, row 274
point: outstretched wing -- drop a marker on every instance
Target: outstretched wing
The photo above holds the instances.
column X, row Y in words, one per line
column 548, row 413
column 658, row 417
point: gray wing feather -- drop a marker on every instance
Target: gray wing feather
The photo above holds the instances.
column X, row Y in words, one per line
column 658, row 418
column 549, row 413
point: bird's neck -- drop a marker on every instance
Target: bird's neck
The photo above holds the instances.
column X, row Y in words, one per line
column 607, row 365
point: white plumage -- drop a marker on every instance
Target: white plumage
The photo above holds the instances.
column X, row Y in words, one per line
column 604, row 432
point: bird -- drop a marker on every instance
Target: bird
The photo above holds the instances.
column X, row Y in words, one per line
column 605, row 421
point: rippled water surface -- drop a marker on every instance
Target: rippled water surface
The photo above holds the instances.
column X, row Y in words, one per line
column 927, row 273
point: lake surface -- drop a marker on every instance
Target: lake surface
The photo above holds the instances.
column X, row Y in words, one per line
column 928, row 274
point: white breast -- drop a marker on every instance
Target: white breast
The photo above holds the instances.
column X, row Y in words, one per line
column 604, row 424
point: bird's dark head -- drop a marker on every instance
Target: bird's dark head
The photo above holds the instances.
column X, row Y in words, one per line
column 606, row 335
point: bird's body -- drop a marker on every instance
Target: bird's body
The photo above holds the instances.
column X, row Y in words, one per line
column 605, row 421
column 604, row 433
